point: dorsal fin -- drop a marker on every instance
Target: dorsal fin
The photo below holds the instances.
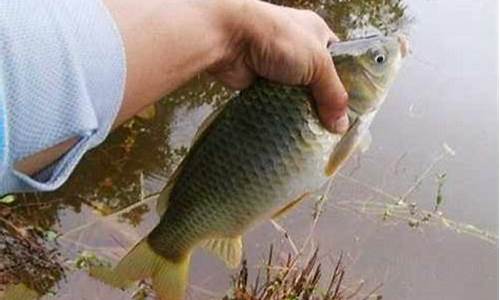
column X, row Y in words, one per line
column 163, row 199
column 205, row 124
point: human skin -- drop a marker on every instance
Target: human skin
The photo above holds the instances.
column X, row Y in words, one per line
column 169, row 42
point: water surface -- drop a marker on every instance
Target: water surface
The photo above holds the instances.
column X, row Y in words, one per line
column 440, row 118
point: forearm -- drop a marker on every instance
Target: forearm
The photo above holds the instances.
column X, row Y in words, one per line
column 166, row 44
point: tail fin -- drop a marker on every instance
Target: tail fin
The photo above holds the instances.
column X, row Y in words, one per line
column 169, row 277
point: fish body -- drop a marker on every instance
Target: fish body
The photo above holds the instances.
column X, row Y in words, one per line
column 263, row 150
column 260, row 155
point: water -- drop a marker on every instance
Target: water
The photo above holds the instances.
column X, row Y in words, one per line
column 440, row 118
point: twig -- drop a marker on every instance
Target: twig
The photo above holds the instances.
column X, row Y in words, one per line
column 146, row 200
column 14, row 227
column 373, row 291
column 422, row 176
column 317, row 213
column 280, row 228
column 401, row 206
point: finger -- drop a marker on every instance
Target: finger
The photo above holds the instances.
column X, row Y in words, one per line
column 329, row 95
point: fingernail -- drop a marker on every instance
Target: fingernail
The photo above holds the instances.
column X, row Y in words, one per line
column 342, row 124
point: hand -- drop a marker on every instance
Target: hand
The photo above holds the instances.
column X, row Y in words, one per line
column 289, row 46
column 168, row 42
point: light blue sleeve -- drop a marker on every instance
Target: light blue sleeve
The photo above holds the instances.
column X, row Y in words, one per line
column 62, row 65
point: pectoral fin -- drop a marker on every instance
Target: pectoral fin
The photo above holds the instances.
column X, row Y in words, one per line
column 228, row 249
column 345, row 147
column 162, row 202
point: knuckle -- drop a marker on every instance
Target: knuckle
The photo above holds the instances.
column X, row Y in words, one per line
column 315, row 19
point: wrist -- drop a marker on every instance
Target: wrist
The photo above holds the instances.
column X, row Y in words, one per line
column 244, row 23
column 234, row 19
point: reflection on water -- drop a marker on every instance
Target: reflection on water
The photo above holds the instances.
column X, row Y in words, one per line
column 135, row 159
column 382, row 208
column 355, row 18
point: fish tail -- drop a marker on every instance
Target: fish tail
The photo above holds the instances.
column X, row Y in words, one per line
column 169, row 276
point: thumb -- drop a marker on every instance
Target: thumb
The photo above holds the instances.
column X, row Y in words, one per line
column 329, row 94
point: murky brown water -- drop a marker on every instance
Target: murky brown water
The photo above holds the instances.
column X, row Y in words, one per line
column 440, row 117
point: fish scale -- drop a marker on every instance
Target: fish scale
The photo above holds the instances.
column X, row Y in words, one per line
column 246, row 165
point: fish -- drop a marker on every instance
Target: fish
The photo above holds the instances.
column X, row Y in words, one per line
column 256, row 159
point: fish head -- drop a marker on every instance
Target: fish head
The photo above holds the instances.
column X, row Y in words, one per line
column 367, row 68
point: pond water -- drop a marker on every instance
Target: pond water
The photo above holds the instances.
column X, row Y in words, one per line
column 438, row 127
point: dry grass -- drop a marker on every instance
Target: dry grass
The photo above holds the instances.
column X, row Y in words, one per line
column 289, row 280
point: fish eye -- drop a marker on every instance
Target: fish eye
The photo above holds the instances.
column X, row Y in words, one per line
column 380, row 58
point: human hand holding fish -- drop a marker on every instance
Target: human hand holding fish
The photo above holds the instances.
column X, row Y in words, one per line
column 236, row 41
column 257, row 158
column 289, row 46
column 167, row 43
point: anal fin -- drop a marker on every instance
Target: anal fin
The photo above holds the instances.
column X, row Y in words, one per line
column 228, row 249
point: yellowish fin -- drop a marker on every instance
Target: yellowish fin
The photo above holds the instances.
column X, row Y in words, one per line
column 169, row 277
column 346, row 146
column 110, row 277
column 163, row 199
column 19, row 292
column 229, row 250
